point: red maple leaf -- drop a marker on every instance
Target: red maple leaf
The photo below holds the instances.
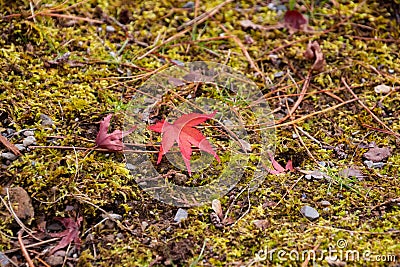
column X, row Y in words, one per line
column 112, row 141
column 278, row 167
column 185, row 135
column 71, row 233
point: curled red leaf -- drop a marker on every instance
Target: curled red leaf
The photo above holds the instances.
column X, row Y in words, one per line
column 185, row 135
column 112, row 141
column 278, row 168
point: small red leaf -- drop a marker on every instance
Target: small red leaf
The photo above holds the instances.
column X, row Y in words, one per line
column 278, row 167
column 71, row 233
column 294, row 19
column 185, row 135
column 112, row 141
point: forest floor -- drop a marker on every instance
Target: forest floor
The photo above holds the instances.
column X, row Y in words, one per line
column 328, row 76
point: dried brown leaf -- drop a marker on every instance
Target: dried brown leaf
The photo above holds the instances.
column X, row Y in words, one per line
column 314, row 52
column 377, row 154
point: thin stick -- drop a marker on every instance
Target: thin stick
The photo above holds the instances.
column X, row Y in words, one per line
column 306, row 116
column 203, row 17
column 366, row 108
column 181, row 33
column 32, row 245
column 287, row 192
column 9, row 145
column 304, row 145
column 380, row 130
column 301, row 97
column 23, row 249
column 95, row 149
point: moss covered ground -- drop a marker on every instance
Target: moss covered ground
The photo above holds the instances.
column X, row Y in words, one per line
column 77, row 61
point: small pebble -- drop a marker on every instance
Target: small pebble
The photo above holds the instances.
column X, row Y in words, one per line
column 46, row 120
column 29, row 133
column 20, row 147
column 9, row 156
column 181, row 215
column 245, row 145
column 110, row 28
column 29, row 141
column 325, row 203
column 188, row 5
column 279, row 74
column 391, row 71
column 130, row 166
column 309, row 212
column 10, row 131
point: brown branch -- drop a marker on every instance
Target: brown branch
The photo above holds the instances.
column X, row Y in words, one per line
column 301, row 97
column 23, row 249
column 95, row 149
column 302, row 118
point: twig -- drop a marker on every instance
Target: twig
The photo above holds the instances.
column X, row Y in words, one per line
column 305, row 262
column 244, row 51
column 203, row 17
column 380, row 130
column 95, row 149
column 287, row 192
column 32, row 245
column 304, row 117
column 391, row 201
column 23, row 249
column 179, row 34
column 301, row 97
column 304, row 145
column 9, row 145
column 366, row 108
column 68, row 17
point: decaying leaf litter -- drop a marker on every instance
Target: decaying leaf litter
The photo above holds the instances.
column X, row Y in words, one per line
column 65, row 67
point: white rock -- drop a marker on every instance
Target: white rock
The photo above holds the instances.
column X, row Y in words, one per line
column 29, row 141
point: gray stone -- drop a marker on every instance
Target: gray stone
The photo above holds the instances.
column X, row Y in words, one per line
column 29, row 133
column 8, row 155
column 20, row 147
column 189, row 4
column 309, row 212
column 325, row 203
column 46, row 120
column 181, row 215
column 279, row 74
column 246, row 146
column 30, row 140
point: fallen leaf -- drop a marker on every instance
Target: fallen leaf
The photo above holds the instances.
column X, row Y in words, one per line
column 278, row 167
column 351, row 172
column 261, row 224
column 314, row 51
column 112, row 141
column 294, row 21
column 71, row 233
column 185, row 135
column 377, row 154
column 217, row 208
